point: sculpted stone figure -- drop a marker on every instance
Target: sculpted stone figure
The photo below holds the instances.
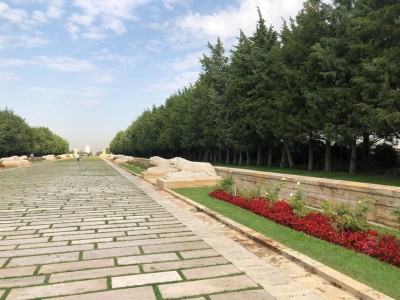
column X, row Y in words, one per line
column 122, row 159
column 15, row 161
column 161, row 165
column 191, row 170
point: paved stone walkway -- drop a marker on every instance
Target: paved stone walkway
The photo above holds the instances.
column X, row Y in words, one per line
column 73, row 230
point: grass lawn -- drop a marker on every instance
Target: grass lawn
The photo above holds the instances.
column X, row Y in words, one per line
column 358, row 177
column 378, row 275
column 134, row 169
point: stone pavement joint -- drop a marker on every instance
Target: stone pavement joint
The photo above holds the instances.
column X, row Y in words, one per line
column 90, row 231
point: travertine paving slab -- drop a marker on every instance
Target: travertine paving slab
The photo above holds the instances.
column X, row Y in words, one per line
column 59, row 289
column 143, row 279
column 72, row 230
column 253, row 295
column 142, row 293
column 206, row 286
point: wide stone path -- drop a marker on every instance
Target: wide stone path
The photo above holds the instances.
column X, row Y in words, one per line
column 72, row 230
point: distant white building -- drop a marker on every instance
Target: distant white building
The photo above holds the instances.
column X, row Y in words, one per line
column 87, row 149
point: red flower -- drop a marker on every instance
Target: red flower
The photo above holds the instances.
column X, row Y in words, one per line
column 384, row 247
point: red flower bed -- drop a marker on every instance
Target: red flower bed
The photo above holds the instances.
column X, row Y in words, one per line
column 2, row 166
column 385, row 247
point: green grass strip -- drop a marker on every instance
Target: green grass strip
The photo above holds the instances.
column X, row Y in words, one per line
column 378, row 275
column 134, row 169
column 357, row 177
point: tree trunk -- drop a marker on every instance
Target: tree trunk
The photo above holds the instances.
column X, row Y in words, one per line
column 200, row 155
column 283, row 158
column 353, row 157
column 328, row 156
column 206, row 155
column 290, row 156
column 247, row 157
column 219, row 156
column 234, row 157
column 269, row 156
column 310, row 155
column 240, row 157
column 227, row 157
column 259, row 150
column 365, row 146
column 215, row 156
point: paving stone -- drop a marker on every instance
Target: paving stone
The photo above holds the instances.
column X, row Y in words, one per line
column 16, row 272
column 21, row 281
column 147, row 242
column 59, row 289
column 43, row 259
column 289, row 289
column 42, row 245
column 253, row 295
column 206, row 286
column 116, row 252
column 24, row 236
column 301, row 296
column 142, row 293
column 175, row 247
column 184, row 264
column 208, row 272
column 94, row 273
column 143, row 279
column 48, row 250
column 199, row 253
column 150, row 231
column 149, row 258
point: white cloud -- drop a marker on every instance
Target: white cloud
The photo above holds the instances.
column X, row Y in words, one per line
column 65, row 64
column 12, row 15
column 21, row 41
column 84, row 92
column 55, row 9
column 190, row 61
column 60, row 63
column 100, row 18
column 8, row 76
column 171, row 85
column 170, row 4
column 227, row 23
column 13, row 62
column 107, row 55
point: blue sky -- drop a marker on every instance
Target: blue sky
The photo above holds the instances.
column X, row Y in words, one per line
column 87, row 68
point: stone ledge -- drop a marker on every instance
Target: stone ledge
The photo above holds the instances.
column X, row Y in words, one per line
column 182, row 183
column 358, row 289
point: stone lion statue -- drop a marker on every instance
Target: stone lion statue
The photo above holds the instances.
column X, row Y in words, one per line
column 189, row 169
column 161, row 165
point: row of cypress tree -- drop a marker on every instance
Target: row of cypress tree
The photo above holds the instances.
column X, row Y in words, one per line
column 321, row 93
column 17, row 137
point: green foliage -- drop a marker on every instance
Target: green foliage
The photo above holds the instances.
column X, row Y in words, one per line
column 396, row 213
column 137, row 164
column 330, row 75
column 273, row 194
column 344, row 217
column 18, row 138
column 297, row 202
column 226, row 184
column 250, row 194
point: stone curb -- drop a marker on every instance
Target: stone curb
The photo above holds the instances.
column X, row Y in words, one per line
column 358, row 289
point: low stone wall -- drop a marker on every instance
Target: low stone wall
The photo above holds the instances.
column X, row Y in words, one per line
column 315, row 190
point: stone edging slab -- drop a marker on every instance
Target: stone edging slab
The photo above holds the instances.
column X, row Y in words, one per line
column 358, row 289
